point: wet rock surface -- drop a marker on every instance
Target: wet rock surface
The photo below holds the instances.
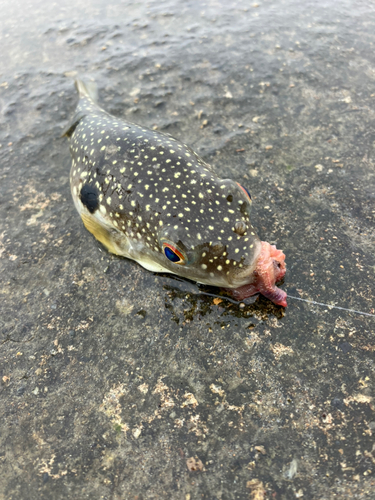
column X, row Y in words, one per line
column 118, row 383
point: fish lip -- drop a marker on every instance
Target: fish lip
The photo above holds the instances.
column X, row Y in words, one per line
column 271, row 262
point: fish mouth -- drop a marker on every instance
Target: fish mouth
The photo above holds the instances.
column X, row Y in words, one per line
column 270, row 268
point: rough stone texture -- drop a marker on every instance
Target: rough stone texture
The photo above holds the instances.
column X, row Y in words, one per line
column 120, row 384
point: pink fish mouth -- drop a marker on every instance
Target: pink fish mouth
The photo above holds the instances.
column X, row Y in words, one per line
column 269, row 270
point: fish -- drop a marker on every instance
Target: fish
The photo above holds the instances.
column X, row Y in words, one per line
column 149, row 197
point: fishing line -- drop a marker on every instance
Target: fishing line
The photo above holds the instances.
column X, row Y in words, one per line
column 330, row 306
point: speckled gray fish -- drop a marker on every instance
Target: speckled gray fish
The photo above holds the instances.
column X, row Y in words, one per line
column 149, row 197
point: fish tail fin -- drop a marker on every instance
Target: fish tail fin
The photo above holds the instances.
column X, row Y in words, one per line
column 87, row 89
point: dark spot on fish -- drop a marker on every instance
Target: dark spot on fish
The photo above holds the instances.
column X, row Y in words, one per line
column 230, row 198
column 90, row 197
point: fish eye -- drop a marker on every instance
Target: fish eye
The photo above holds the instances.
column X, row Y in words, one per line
column 245, row 191
column 173, row 254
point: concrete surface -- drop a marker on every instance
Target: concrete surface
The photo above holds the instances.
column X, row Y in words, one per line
column 120, row 384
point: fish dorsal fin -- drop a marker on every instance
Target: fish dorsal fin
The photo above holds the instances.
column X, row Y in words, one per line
column 68, row 131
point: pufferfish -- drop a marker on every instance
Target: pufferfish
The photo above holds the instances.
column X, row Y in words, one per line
column 148, row 197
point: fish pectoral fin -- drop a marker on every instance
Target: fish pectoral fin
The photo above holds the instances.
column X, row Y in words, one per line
column 100, row 232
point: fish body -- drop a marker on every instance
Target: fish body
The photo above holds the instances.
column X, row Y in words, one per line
column 146, row 196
